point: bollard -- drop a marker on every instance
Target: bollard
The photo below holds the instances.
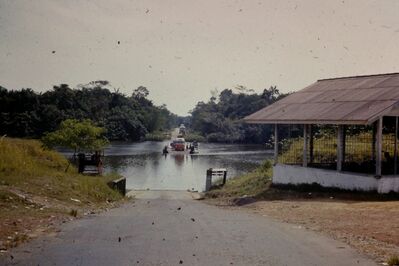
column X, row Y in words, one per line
column 224, row 177
column 218, row 173
column 208, row 182
column 119, row 185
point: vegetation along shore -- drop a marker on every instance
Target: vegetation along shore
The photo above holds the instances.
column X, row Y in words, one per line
column 39, row 190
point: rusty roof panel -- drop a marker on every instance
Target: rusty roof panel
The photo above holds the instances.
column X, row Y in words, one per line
column 369, row 111
column 388, row 93
column 393, row 81
column 346, row 100
column 301, row 97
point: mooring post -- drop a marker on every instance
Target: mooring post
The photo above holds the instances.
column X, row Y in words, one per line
column 224, row 177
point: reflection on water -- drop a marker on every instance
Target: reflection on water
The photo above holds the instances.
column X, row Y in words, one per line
column 145, row 167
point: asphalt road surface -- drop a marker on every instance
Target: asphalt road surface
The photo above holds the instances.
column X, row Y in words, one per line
column 170, row 228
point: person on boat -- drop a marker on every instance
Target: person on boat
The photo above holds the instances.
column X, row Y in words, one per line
column 192, row 149
column 165, row 150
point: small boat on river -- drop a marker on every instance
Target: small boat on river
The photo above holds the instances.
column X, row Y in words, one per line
column 178, row 144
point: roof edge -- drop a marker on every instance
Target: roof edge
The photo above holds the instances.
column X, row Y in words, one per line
column 361, row 76
column 308, row 122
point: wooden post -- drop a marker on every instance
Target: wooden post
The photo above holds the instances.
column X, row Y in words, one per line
column 395, row 158
column 224, row 177
column 311, row 135
column 275, row 144
column 340, row 147
column 305, row 146
column 378, row 145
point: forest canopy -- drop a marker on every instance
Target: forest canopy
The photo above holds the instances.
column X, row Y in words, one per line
column 25, row 113
column 219, row 119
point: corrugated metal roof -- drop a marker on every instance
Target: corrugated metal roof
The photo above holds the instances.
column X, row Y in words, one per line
column 348, row 100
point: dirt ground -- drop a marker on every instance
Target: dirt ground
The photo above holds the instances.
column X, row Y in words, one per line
column 24, row 216
column 370, row 227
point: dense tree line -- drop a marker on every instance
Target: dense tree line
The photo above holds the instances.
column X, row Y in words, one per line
column 25, row 113
column 220, row 119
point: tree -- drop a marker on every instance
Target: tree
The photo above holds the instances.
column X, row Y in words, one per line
column 221, row 120
column 77, row 135
column 140, row 93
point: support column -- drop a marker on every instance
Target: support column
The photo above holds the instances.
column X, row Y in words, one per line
column 378, row 147
column 311, row 135
column 275, row 144
column 374, row 141
column 305, row 146
column 395, row 158
column 340, row 147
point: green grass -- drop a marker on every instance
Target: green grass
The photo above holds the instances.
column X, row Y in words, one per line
column 192, row 136
column 393, row 261
column 359, row 148
column 27, row 166
column 36, row 190
column 252, row 184
column 157, row 136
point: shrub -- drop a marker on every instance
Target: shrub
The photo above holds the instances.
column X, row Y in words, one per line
column 393, row 261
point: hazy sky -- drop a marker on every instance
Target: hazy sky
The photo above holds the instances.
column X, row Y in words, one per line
column 182, row 49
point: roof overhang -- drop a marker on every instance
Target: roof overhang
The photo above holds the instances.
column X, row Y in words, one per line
column 391, row 111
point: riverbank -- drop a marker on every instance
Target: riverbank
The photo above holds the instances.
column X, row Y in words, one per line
column 368, row 222
column 38, row 191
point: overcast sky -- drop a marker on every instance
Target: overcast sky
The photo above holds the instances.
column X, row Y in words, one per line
column 182, row 49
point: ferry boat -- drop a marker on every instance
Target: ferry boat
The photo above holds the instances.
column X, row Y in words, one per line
column 178, row 144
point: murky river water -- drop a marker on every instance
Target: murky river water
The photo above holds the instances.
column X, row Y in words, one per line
column 145, row 167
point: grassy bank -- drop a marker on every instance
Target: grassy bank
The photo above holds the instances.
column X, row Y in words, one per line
column 258, row 186
column 157, row 136
column 252, row 184
column 36, row 191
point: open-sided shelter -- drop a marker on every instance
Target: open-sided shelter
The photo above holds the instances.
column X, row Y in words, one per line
column 339, row 132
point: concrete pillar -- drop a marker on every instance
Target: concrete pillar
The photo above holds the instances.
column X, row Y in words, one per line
column 374, row 132
column 340, row 147
column 275, row 144
column 311, row 135
column 395, row 158
column 378, row 147
column 305, row 146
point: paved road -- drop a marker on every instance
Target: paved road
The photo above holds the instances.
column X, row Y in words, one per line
column 154, row 231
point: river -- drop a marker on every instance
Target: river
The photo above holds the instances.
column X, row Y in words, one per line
column 145, row 167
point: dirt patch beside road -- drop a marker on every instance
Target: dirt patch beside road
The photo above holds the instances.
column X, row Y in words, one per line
column 370, row 227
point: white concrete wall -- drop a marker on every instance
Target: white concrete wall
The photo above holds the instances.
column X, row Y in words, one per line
column 294, row 175
column 388, row 184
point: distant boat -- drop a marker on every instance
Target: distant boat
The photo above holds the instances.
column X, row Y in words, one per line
column 178, row 144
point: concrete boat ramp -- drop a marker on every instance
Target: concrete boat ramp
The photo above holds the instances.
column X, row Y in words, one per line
column 170, row 228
